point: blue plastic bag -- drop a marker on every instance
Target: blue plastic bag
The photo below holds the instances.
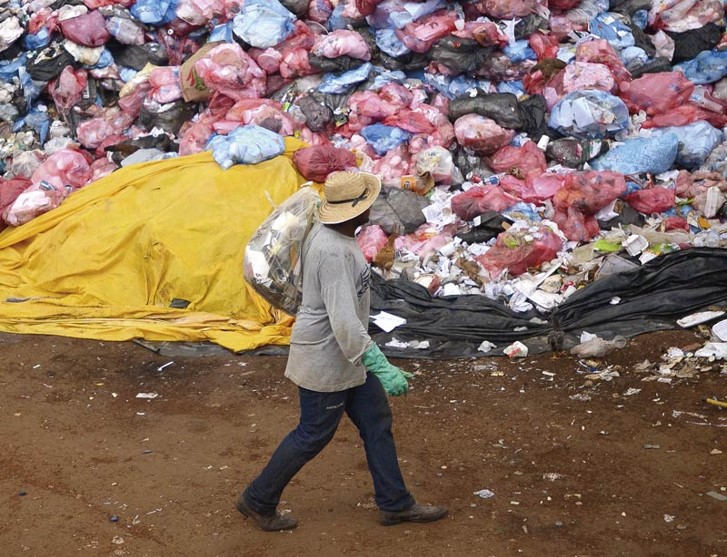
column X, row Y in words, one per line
column 9, row 69
column 38, row 120
column 453, row 87
column 154, row 12
column 389, row 43
column 249, row 144
column 339, row 83
column 394, row 14
column 589, row 114
column 696, row 141
column 519, row 51
column 104, row 61
column 384, row 138
column 35, row 41
column 263, row 23
column 709, row 66
column 607, row 26
column 222, row 32
column 639, row 155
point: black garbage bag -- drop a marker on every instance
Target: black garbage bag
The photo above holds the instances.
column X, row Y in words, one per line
column 529, row 24
column 459, row 55
column 334, row 65
column 690, row 43
column 409, row 62
column 119, row 151
column 656, row 65
column 138, row 56
column 471, row 164
column 533, row 110
column 297, row 7
column 629, row 7
column 490, row 225
column 170, row 120
column 503, row 108
column 573, row 152
column 48, row 63
column 398, row 211
column 317, row 114
column 642, row 40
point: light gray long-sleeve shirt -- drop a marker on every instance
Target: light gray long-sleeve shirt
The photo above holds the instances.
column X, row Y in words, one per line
column 330, row 331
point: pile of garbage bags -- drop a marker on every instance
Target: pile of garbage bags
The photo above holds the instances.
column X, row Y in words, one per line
column 526, row 147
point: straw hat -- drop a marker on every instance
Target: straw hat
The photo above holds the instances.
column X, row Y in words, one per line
column 347, row 195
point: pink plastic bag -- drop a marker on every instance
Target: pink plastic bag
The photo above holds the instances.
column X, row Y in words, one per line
column 229, row 70
column 262, row 112
column 481, row 134
column 601, row 52
column 268, row 59
column 35, row 200
column 320, row 11
column 112, row 122
column 165, row 84
column 367, row 7
column 486, row 33
column 392, row 166
column 578, row 76
column 517, row 251
column 131, row 104
column 526, row 162
column 682, row 15
column 547, row 185
column 656, row 93
column 87, row 30
column 67, row 89
column 371, row 240
column 66, row 167
column 651, row 200
column 423, row 241
column 581, row 197
column 413, row 121
column 480, row 199
column 342, row 42
column 100, row 168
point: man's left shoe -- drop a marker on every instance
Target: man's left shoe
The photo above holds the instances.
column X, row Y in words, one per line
column 415, row 513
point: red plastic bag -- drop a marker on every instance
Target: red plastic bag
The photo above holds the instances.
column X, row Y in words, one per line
column 519, row 250
column 656, row 93
column 481, row 134
column 316, row 163
column 87, row 30
column 526, row 162
column 508, row 9
column 10, row 190
column 686, row 114
column 371, row 240
column 367, row 7
column 545, row 46
column 651, row 200
column 480, row 199
column 419, row 36
column 582, row 196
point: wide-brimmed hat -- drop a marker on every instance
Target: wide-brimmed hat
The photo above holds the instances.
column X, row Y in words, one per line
column 347, row 195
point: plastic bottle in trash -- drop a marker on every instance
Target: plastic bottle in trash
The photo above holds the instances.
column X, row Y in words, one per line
column 493, row 180
column 699, row 97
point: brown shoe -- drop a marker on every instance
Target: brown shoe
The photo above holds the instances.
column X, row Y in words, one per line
column 269, row 523
column 415, row 513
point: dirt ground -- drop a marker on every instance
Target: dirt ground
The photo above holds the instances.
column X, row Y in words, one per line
column 581, row 462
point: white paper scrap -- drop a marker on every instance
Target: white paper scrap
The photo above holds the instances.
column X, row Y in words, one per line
column 387, row 322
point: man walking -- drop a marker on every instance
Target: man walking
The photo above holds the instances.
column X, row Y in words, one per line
column 337, row 366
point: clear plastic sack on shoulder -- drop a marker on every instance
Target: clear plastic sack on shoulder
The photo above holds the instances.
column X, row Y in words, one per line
column 272, row 263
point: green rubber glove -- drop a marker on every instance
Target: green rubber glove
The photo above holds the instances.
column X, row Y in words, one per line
column 393, row 379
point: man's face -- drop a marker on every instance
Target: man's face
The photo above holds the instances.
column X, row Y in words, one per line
column 363, row 218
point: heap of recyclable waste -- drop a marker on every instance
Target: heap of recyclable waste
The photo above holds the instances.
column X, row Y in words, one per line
column 526, row 147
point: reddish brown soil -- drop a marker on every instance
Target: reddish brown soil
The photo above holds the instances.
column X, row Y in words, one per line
column 89, row 469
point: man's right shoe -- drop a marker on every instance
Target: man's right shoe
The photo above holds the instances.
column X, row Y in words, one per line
column 269, row 523
column 415, row 513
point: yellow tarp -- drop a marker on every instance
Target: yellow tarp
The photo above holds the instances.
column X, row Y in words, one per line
column 108, row 262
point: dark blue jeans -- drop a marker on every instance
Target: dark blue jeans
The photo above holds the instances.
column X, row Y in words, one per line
column 320, row 414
